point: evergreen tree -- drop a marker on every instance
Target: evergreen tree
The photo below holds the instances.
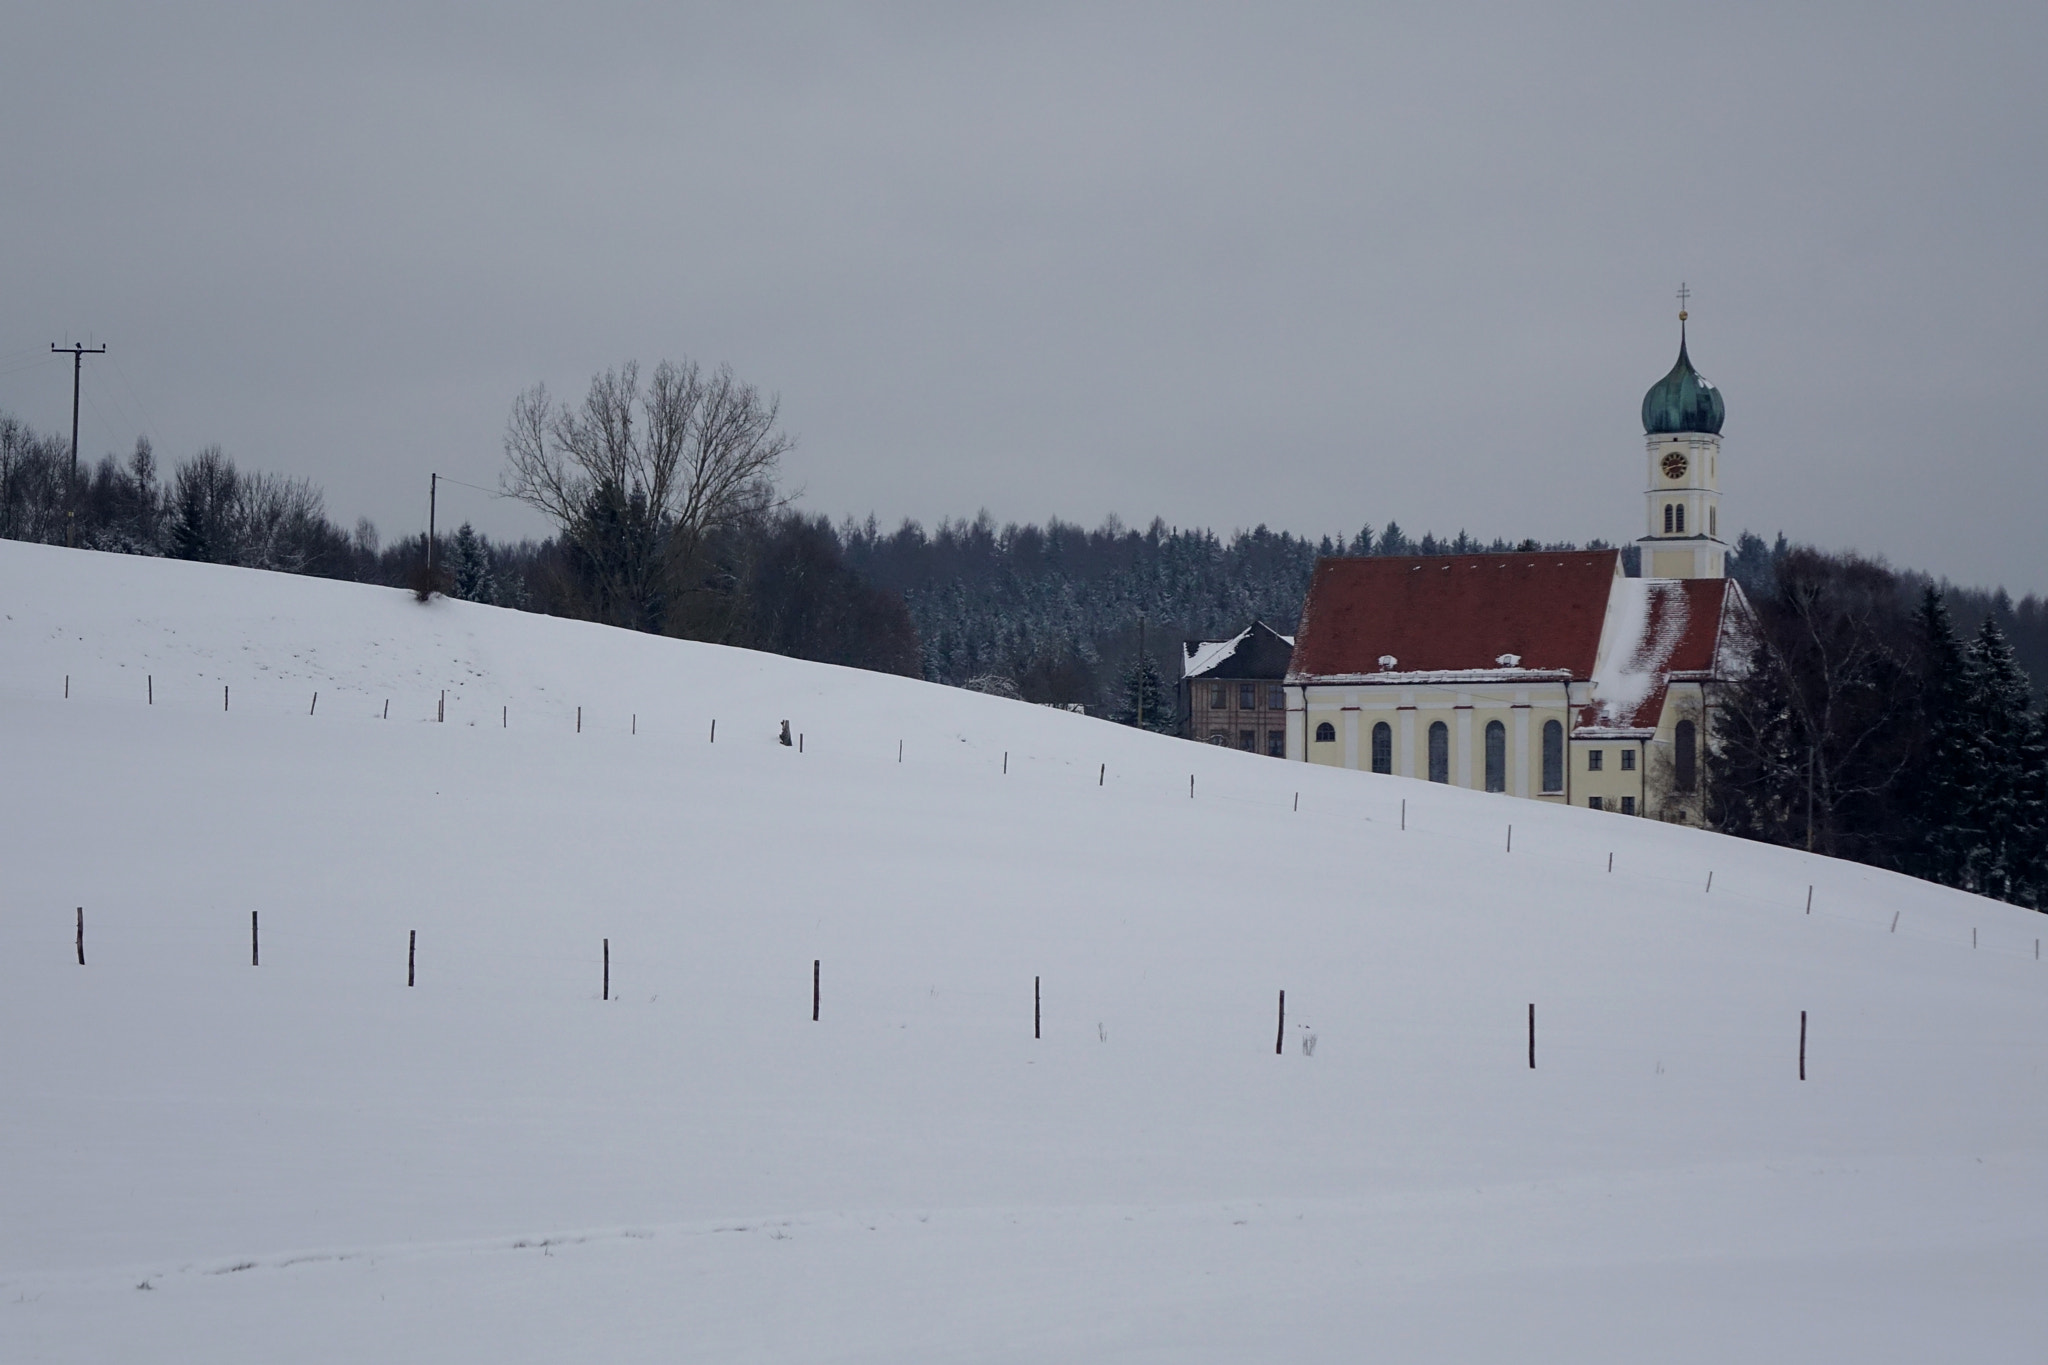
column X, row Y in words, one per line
column 2005, row 814
column 473, row 581
column 1942, row 781
column 1142, row 680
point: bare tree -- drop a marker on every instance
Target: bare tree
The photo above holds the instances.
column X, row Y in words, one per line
column 639, row 482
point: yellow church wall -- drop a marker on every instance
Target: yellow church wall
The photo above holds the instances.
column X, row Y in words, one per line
column 1612, row 781
column 1682, row 701
column 1352, row 710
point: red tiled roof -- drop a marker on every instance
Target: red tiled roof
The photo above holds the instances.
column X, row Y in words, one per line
column 1446, row 613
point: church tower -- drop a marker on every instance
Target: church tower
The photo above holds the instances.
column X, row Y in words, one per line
column 1682, row 436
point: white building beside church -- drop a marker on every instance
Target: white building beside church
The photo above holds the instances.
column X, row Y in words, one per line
column 1551, row 676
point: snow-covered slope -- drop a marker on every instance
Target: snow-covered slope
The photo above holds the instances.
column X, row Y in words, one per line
column 308, row 1160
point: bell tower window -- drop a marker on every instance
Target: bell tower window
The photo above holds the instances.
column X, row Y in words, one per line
column 1679, row 508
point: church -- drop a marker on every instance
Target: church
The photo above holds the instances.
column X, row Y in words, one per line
column 1552, row 676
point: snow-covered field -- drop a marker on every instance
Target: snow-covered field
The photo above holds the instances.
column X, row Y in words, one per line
column 307, row 1160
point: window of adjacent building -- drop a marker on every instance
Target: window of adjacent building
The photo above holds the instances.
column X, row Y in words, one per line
column 1685, row 742
column 1439, row 751
column 1276, row 744
column 1628, row 760
column 1596, row 760
column 1326, row 733
column 1553, row 756
column 1628, row 805
column 1244, row 740
column 1217, row 696
column 1593, row 803
column 1247, row 696
column 1496, row 756
column 1383, row 748
column 1276, row 699
column 1218, row 737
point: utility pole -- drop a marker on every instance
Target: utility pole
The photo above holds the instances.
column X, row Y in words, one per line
column 433, row 492
column 78, row 355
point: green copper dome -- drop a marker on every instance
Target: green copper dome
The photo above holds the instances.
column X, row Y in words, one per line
column 1682, row 400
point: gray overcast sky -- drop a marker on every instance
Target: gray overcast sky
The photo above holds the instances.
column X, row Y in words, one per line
column 1308, row 266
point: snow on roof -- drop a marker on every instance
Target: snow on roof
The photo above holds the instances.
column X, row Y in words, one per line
column 1257, row 651
column 1199, row 656
column 1658, row 629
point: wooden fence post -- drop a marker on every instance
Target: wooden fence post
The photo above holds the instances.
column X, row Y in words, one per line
column 254, row 959
column 152, row 689
column 607, row 969
column 1035, row 1013
column 1532, row 1035
column 1280, row 1037
column 1511, row 838
column 315, row 706
column 1802, row 1045
column 1809, row 899
column 814, row 990
column 1102, row 775
column 81, row 936
column 412, row 949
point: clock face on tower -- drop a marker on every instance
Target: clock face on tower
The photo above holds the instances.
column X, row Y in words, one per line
column 1674, row 465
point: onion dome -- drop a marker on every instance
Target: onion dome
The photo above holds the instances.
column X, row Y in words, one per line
column 1682, row 400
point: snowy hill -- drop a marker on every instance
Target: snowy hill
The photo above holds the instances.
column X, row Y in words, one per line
column 308, row 1160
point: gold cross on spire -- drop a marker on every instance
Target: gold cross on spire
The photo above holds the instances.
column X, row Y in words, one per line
column 1683, row 295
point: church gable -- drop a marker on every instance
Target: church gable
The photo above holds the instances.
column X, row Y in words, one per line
column 1661, row 631
column 1541, row 612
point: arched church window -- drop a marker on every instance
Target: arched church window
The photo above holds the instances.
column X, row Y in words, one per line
column 1686, row 765
column 1553, row 756
column 1326, row 733
column 1383, row 748
column 1667, row 518
column 1439, row 752
column 1496, row 756
column 1680, row 509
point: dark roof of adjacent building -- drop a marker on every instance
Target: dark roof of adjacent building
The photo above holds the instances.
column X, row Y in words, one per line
column 1436, row 614
column 1257, row 651
column 1682, row 401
